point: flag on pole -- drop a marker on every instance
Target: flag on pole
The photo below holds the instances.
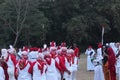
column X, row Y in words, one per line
column 102, row 34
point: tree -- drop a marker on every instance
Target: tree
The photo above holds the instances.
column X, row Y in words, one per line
column 14, row 15
column 18, row 15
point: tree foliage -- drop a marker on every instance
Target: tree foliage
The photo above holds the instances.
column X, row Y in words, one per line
column 34, row 22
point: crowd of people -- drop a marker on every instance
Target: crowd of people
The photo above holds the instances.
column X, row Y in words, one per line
column 105, row 61
column 59, row 62
column 33, row 63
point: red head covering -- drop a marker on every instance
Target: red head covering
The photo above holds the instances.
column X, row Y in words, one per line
column 100, row 45
column 63, row 44
column 25, row 48
column 58, row 47
column 31, row 49
column 40, row 50
column 89, row 46
column 52, row 44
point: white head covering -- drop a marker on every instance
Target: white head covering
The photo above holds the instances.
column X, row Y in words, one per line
column 58, row 51
column 63, row 48
column 53, row 49
column 4, row 53
column 11, row 50
column 24, row 53
column 70, row 51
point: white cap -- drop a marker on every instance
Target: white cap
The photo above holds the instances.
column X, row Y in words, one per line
column 24, row 53
column 58, row 51
column 52, row 48
column 63, row 48
column 11, row 50
column 46, row 53
column 4, row 51
column 112, row 44
column 70, row 51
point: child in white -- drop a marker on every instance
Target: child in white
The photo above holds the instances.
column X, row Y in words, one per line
column 98, row 71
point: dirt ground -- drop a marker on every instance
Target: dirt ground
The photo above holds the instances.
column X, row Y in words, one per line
column 82, row 73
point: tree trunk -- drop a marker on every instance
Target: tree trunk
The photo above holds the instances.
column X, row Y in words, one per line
column 16, row 39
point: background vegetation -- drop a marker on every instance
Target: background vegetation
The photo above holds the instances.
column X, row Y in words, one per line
column 34, row 22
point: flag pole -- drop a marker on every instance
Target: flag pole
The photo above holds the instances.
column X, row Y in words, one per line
column 102, row 35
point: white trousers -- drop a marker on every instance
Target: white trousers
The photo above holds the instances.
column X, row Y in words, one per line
column 74, row 75
column 98, row 73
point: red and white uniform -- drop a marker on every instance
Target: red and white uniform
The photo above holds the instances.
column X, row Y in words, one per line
column 76, row 51
column 57, row 61
column 2, row 74
column 74, row 67
column 64, row 64
column 24, row 70
column 59, row 68
column 88, row 52
column 74, row 63
column 32, row 56
column 67, row 76
column 51, row 73
column 11, row 62
column 39, row 70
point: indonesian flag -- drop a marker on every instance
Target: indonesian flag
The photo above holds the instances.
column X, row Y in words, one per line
column 102, row 33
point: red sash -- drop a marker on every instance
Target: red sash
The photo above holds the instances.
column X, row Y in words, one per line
column 48, row 60
column 22, row 64
column 41, row 66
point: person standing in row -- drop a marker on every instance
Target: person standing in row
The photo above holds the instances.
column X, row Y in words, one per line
column 89, row 52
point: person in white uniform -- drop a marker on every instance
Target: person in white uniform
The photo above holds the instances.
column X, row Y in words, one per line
column 10, row 59
column 98, row 71
column 2, row 74
column 32, row 56
column 74, row 64
column 118, row 64
column 24, row 67
column 89, row 52
column 51, row 73
column 68, row 64
column 39, row 68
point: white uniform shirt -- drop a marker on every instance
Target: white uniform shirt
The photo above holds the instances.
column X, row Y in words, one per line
column 37, row 73
column 32, row 56
column 51, row 73
column 11, row 69
column 24, row 74
column 2, row 75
